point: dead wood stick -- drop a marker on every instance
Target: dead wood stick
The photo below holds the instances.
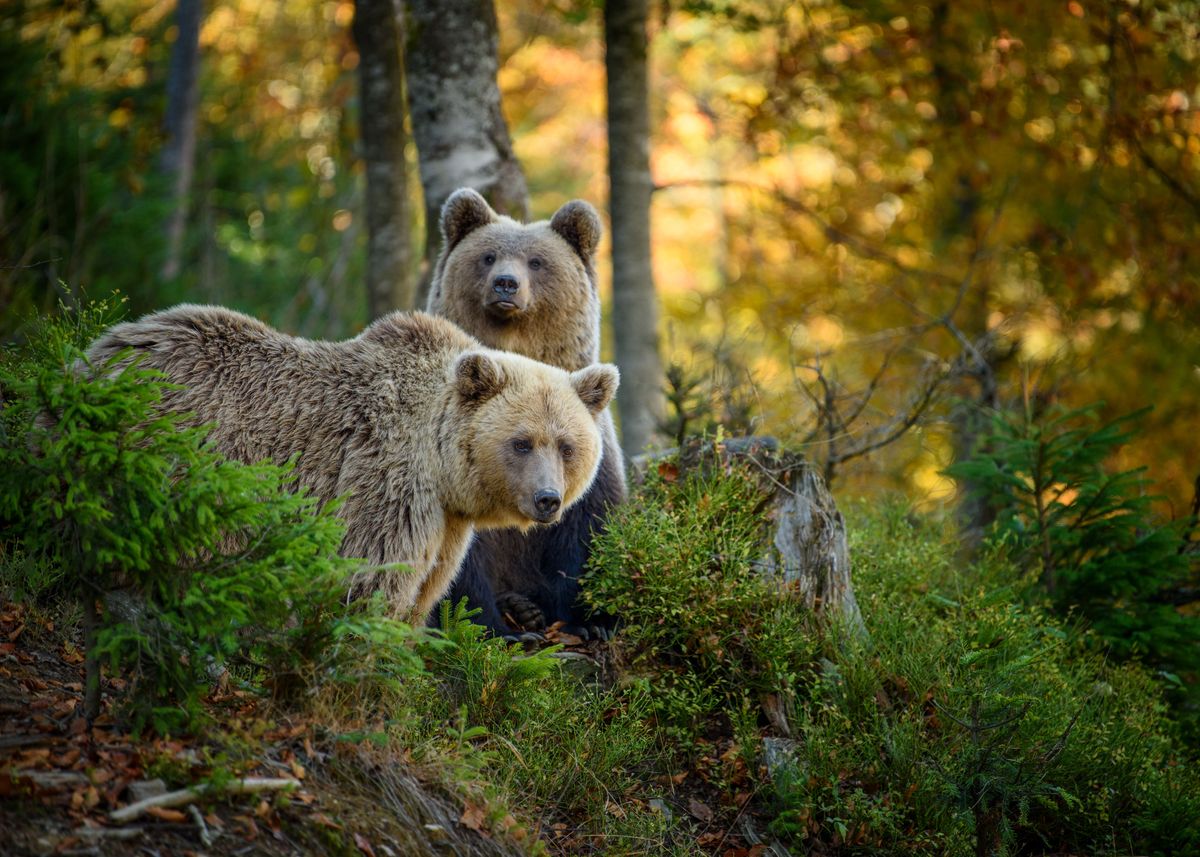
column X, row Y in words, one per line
column 190, row 795
column 119, row 833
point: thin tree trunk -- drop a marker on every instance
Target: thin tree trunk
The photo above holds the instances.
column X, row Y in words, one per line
column 969, row 418
column 635, row 306
column 179, row 155
column 454, row 104
column 378, row 27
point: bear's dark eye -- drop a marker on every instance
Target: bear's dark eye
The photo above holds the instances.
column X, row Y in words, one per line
column 567, row 450
column 489, row 259
column 522, row 446
column 535, row 263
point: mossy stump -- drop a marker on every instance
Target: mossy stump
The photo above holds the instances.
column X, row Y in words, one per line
column 808, row 545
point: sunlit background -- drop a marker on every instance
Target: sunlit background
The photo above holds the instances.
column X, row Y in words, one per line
column 848, row 192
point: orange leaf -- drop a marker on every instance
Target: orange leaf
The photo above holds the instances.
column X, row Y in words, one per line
column 669, row 471
column 472, row 816
column 614, row 809
column 699, row 811
column 363, row 845
column 163, row 813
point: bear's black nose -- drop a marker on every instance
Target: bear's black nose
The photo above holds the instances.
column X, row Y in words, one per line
column 505, row 285
column 547, row 502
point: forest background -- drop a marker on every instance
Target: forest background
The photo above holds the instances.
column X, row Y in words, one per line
column 866, row 217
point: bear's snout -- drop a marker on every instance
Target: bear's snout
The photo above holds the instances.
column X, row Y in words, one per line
column 547, row 502
column 507, row 291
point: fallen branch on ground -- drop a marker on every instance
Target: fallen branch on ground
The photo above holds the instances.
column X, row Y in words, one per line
column 190, row 795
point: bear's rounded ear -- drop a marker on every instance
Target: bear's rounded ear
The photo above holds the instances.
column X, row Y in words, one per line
column 463, row 212
column 579, row 225
column 478, row 376
column 596, row 385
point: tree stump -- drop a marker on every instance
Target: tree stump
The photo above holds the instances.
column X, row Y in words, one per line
column 808, row 545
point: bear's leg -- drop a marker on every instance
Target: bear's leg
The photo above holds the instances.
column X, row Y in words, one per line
column 455, row 541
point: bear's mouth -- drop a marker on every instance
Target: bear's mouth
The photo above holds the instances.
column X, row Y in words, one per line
column 503, row 309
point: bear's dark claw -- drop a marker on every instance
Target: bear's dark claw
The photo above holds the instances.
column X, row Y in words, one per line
column 522, row 612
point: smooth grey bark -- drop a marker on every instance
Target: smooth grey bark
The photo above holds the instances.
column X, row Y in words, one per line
column 178, row 157
column 635, row 305
column 378, row 28
column 454, row 104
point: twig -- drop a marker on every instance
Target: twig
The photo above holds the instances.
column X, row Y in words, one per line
column 190, row 795
column 46, row 779
column 120, row 833
column 205, row 835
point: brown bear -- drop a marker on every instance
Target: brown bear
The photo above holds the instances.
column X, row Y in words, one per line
column 428, row 433
column 531, row 289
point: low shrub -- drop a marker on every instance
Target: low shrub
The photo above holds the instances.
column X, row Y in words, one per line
column 701, row 624
column 1089, row 532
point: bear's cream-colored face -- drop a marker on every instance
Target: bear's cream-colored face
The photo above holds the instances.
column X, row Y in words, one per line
column 500, row 279
column 535, row 444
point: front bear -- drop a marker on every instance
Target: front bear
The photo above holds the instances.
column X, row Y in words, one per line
column 429, row 434
column 530, row 289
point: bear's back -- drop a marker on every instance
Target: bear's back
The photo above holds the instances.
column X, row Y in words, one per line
column 272, row 396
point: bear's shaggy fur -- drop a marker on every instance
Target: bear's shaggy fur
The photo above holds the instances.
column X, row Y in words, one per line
column 428, row 433
column 530, row 289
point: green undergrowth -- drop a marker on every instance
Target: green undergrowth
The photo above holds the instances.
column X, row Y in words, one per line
column 704, row 633
column 969, row 720
column 972, row 720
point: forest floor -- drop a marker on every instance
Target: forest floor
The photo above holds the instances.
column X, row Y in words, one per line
column 60, row 780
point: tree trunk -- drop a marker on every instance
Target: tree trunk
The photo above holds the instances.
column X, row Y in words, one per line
column 969, row 418
column 454, row 104
column 808, row 546
column 179, row 155
column 989, row 829
column 377, row 33
column 635, row 306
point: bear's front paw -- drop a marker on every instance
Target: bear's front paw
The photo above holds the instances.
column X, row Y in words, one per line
column 603, row 633
column 520, row 612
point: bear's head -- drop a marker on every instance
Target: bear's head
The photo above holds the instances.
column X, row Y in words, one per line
column 528, row 288
column 533, row 444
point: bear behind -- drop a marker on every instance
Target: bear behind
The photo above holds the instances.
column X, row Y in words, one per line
column 428, row 433
column 530, row 289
